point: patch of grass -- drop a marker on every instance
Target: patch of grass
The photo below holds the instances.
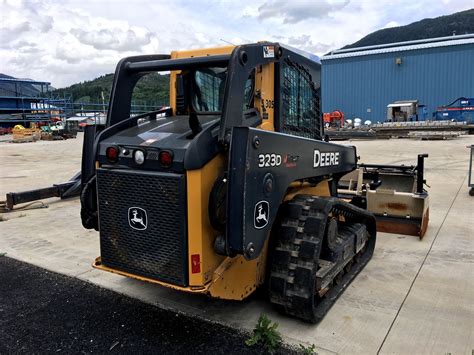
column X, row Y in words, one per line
column 308, row 350
column 265, row 334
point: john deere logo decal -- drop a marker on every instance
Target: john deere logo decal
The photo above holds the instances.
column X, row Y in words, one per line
column 261, row 213
column 137, row 218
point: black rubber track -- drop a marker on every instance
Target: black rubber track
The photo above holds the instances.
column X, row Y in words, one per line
column 295, row 259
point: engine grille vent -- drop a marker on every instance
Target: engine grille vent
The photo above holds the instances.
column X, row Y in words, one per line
column 143, row 223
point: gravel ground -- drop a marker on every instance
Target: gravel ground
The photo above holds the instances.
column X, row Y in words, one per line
column 44, row 312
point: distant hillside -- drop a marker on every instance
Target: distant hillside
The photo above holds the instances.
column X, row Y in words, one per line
column 152, row 89
column 459, row 23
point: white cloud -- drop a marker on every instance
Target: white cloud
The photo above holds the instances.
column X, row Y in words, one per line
column 69, row 41
column 391, row 24
column 114, row 38
column 250, row 11
column 306, row 43
column 296, row 11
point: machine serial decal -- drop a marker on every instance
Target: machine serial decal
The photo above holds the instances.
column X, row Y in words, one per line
column 261, row 212
column 268, row 52
column 137, row 218
column 267, row 160
column 322, row 159
column 268, row 103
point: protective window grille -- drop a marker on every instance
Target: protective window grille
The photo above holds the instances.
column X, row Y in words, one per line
column 300, row 101
column 210, row 87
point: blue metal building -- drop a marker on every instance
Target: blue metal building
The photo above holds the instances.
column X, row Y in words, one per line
column 25, row 101
column 363, row 81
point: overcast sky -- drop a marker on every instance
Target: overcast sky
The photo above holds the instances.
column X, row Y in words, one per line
column 69, row 41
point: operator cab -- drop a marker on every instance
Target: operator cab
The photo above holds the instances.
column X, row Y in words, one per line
column 191, row 130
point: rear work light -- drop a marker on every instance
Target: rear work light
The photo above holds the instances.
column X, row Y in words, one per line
column 166, row 158
column 112, row 154
column 139, row 157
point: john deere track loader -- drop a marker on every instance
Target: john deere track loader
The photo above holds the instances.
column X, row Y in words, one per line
column 231, row 187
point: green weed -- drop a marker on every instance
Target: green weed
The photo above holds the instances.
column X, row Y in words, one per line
column 308, row 350
column 265, row 334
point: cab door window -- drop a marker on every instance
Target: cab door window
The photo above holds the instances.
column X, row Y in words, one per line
column 208, row 93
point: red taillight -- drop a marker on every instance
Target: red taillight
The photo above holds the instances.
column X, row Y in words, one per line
column 195, row 263
column 166, row 158
column 112, row 154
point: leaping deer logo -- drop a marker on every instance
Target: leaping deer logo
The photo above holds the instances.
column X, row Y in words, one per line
column 137, row 218
column 261, row 214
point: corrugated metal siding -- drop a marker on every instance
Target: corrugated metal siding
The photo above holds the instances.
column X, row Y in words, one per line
column 434, row 76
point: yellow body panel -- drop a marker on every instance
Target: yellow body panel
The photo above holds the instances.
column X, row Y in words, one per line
column 201, row 235
column 297, row 188
column 234, row 279
column 98, row 265
column 265, row 104
column 202, row 52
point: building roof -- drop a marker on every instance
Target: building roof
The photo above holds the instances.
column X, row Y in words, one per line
column 403, row 104
column 27, row 81
column 401, row 46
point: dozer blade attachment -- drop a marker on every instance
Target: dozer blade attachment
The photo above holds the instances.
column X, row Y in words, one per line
column 393, row 193
column 399, row 212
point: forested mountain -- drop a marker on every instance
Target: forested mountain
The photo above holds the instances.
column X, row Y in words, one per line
column 458, row 23
column 152, row 89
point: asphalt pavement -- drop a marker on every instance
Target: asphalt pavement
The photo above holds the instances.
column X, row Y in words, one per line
column 44, row 312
